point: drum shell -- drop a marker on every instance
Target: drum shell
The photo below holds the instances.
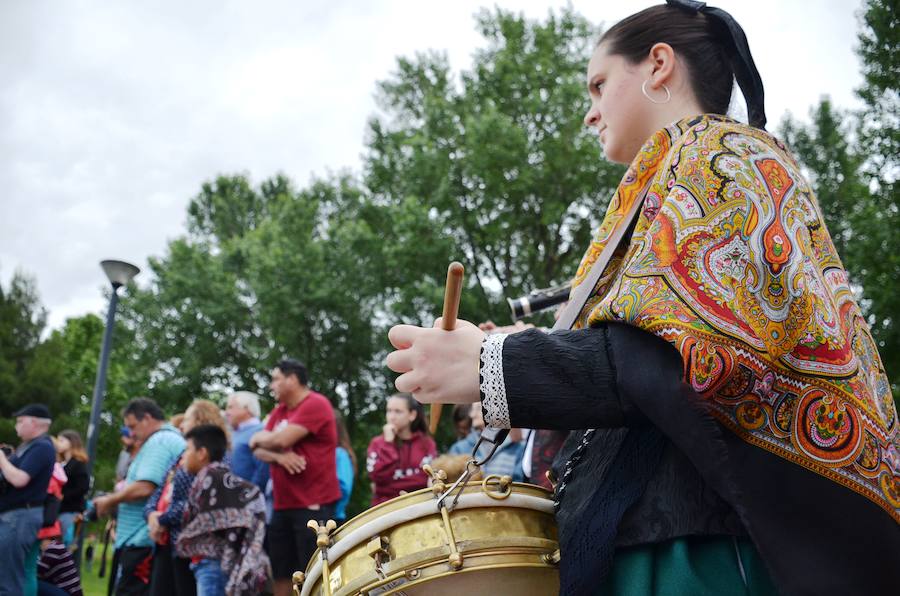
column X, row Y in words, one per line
column 505, row 545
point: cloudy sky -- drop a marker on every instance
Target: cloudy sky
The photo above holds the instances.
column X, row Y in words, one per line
column 113, row 113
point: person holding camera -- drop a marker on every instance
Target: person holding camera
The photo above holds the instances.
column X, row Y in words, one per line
column 25, row 474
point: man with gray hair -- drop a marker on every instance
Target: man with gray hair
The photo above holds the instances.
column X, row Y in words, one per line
column 242, row 412
column 25, row 474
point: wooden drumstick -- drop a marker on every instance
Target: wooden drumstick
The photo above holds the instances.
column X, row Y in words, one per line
column 448, row 322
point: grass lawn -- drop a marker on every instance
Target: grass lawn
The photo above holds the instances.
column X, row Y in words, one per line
column 91, row 584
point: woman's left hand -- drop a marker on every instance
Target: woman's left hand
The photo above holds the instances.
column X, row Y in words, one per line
column 153, row 526
column 438, row 366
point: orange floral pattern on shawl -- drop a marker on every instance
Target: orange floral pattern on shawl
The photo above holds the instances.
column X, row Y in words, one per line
column 730, row 261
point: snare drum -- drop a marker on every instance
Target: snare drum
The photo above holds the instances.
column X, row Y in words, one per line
column 498, row 538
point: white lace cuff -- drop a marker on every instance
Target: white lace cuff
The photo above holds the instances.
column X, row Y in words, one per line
column 493, row 386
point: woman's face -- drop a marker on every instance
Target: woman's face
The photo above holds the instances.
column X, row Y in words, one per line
column 62, row 445
column 619, row 111
column 398, row 415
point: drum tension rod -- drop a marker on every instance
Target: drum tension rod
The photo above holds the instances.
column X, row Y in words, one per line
column 438, row 478
column 323, row 541
column 455, row 560
column 377, row 548
column 492, row 436
column 457, row 487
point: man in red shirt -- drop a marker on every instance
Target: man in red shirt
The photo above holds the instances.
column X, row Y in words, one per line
column 299, row 444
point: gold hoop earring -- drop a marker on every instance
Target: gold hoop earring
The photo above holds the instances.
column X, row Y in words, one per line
column 647, row 95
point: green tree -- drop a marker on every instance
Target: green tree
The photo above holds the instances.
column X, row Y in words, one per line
column 853, row 163
column 879, row 140
column 22, row 320
column 31, row 369
column 834, row 168
column 78, row 343
column 510, row 180
column 492, row 167
column 301, row 277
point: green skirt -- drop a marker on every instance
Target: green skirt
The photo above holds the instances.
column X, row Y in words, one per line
column 692, row 566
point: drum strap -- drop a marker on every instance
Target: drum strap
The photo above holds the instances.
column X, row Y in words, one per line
column 492, row 436
column 580, row 294
column 577, row 300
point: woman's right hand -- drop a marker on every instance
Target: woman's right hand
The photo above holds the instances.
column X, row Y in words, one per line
column 437, row 366
column 389, row 432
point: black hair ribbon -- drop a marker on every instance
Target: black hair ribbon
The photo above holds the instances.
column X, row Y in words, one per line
column 744, row 68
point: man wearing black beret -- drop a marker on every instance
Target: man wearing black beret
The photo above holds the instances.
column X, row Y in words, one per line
column 25, row 475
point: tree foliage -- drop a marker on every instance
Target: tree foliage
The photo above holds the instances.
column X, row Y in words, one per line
column 853, row 160
column 31, row 368
column 22, row 320
column 500, row 158
column 879, row 141
column 57, row 370
column 491, row 167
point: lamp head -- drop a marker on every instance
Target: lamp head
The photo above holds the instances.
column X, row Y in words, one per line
column 119, row 272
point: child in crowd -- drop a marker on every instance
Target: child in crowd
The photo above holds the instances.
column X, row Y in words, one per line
column 56, row 571
column 225, row 520
column 165, row 508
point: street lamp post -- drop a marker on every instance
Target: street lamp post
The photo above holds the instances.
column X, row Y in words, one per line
column 119, row 274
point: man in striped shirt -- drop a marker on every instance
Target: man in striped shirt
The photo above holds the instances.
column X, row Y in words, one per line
column 161, row 445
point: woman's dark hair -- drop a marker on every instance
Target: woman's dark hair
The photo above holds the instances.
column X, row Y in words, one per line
column 210, row 437
column 707, row 45
column 418, row 424
column 290, row 366
column 77, row 444
column 461, row 412
column 344, row 438
column 141, row 407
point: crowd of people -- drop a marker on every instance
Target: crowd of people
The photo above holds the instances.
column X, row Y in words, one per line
column 211, row 500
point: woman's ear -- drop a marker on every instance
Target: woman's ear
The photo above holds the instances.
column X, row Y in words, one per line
column 662, row 60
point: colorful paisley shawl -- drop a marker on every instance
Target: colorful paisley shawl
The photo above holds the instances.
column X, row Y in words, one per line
column 731, row 262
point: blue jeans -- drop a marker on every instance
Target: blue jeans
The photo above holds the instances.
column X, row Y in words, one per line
column 210, row 579
column 18, row 533
column 48, row 589
column 67, row 527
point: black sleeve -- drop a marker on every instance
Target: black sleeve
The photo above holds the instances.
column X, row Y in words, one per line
column 79, row 482
column 570, row 380
column 76, row 487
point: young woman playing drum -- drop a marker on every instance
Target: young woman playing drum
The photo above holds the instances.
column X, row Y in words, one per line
column 733, row 424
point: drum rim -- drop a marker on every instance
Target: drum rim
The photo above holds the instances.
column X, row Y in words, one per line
column 426, row 495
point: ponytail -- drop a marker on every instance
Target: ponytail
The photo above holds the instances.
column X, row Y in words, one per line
column 711, row 43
